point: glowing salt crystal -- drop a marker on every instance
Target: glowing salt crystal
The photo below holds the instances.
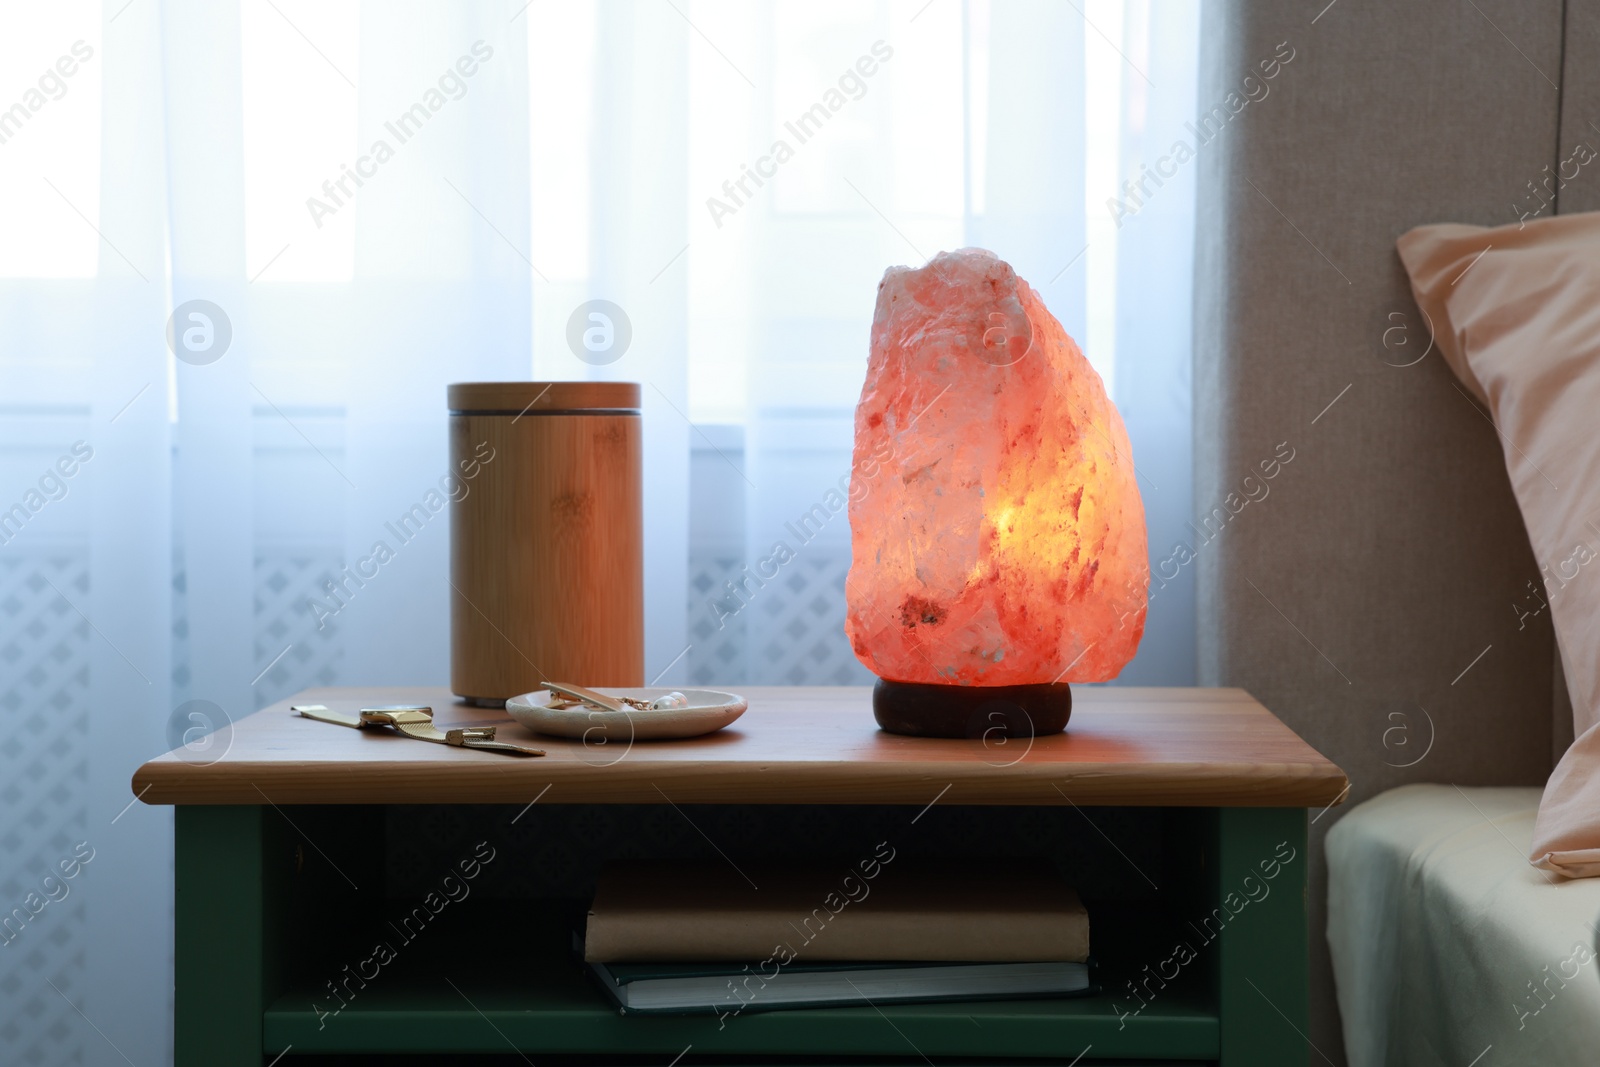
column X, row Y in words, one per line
column 997, row 531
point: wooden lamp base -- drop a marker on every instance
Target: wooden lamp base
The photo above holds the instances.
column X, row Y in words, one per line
column 918, row 709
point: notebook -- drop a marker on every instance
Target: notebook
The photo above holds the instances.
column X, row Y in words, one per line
column 880, row 909
column 686, row 988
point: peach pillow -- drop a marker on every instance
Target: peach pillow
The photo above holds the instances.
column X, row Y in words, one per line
column 1515, row 311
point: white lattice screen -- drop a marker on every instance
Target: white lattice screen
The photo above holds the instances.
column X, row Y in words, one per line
column 44, row 709
column 786, row 630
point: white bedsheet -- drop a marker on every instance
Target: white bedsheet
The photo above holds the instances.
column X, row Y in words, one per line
column 1448, row 947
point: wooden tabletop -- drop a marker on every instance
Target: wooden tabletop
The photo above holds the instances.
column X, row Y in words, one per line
column 1124, row 746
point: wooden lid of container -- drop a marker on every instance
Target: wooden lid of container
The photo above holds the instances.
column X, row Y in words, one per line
column 543, row 398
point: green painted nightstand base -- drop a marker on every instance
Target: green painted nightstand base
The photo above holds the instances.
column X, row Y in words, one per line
column 1220, row 976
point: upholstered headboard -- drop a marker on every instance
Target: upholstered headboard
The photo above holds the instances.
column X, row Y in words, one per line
column 1372, row 600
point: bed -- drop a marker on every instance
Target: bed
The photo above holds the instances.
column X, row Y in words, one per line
column 1448, row 947
column 1376, row 594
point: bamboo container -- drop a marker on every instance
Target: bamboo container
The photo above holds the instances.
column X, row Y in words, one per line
column 546, row 545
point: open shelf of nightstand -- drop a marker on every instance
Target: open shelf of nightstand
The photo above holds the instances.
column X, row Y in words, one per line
column 480, row 983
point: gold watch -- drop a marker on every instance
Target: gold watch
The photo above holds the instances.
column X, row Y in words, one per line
column 416, row 721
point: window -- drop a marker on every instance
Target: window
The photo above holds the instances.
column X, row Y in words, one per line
column 51, row 60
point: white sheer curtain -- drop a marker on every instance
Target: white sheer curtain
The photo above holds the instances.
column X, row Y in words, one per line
column 210, row 151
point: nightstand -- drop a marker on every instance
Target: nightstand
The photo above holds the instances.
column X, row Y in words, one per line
column 280, row 854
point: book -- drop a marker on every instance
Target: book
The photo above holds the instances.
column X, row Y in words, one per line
column 879, row 909
column 696, row 988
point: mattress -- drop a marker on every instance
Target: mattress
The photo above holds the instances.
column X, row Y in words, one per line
column 1448, row 947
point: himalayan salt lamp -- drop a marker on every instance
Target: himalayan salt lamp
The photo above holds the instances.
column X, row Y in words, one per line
column 997, row 534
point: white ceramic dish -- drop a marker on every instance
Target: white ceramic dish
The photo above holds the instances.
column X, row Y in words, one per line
column 708, row 710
